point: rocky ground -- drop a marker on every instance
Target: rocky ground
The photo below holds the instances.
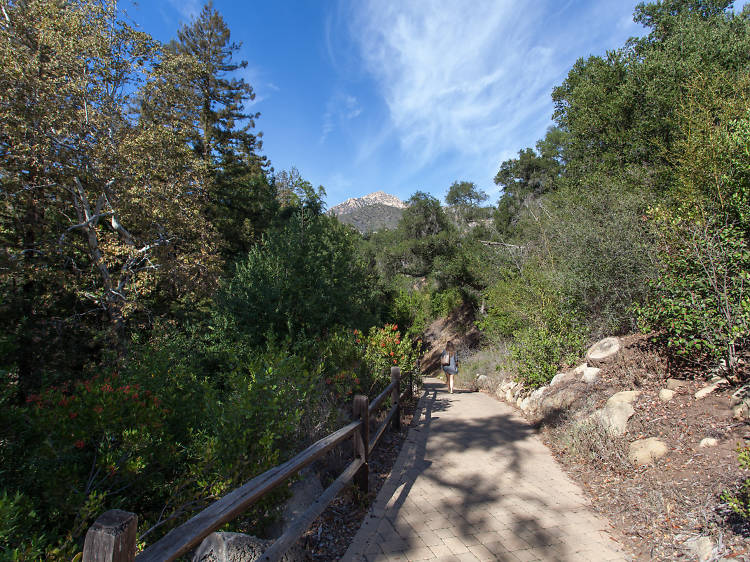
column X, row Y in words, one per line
column 664, row 504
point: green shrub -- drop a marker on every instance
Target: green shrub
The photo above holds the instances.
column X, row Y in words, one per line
column 539, row 350
column 543, row 328
column 385, row 348
column 740, row 503
column 699, row 302
column 413, row 310
column 445, row 302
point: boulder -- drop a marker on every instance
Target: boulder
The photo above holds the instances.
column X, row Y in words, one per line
column 665, row 394
column 236, row 547
column 708, row 442
column 580, row 369
column 675, row 384
column 482, row 381
column 706, row 390
column 603, row 351
column 741, row 411
column 559, row 398
column 646, row 451
column 561, row 378
column 617, row 411
column 590, row 375
column 701, row 547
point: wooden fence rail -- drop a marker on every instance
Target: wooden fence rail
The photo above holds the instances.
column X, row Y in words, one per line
column 112, row 538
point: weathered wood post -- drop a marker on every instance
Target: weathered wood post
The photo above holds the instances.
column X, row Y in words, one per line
column 361, row 411
column 395, row 393
column 111, row 538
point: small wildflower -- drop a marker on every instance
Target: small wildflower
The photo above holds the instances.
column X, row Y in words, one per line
column 98, row 409
column 79, row 444
column 72, row 415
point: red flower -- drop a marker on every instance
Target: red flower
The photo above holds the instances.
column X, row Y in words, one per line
column 98, row 409
column 394, row 361
column 391, row 354
column 72, row 415
column 398, row 342
column 382, row 344
column 395, row 327
column 79, row 444
column 358, row 340
column 328, row 381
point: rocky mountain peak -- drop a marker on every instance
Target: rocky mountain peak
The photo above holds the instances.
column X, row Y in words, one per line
column 376, row 211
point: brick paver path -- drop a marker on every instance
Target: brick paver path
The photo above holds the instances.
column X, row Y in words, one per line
column 474, row 482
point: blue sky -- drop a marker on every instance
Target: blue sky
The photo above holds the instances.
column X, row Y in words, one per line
column 403, row 95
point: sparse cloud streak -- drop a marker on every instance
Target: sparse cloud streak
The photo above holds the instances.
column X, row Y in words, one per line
column 470, row 78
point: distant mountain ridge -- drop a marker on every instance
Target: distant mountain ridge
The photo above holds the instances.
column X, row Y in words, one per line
column 375, row 211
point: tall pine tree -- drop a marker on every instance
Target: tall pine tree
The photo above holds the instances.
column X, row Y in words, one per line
column 241, row 199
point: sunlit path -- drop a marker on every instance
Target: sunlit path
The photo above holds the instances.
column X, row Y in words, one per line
column 473, row 482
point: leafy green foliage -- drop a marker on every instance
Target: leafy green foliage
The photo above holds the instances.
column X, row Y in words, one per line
column 544, row 329
column 699, row 300
column 302, row 280
column 740, row 503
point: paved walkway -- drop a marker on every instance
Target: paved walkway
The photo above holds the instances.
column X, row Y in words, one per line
column 473, row 482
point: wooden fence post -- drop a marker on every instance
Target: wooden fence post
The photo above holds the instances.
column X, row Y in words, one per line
column 361, row 411
column 111, row 538
column 395, row 393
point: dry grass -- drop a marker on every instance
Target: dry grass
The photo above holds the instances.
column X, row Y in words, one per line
column 491, row 362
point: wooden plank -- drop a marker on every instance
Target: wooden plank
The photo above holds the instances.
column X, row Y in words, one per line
column 376, row 403
column 190, row 534
column 302, row 523
column 111, row 538
column 395, row 378
column 361, row 438
column 382, row 427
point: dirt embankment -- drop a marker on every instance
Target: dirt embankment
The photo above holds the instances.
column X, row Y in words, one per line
column 459, row 328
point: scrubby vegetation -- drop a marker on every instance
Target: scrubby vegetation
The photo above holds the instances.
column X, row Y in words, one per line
column 177, row 317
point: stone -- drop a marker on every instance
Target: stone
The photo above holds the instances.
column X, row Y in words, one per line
column 236, row 547
column 741, row 411
column 675, row 384
column 559, row 399
column 646, row 451
column 708, row 442
column 617, row 411
column 590, row 375
column 525, row 404
column 580, row 369
column 665, row 394
column 560, row 378
column 508, row 396
column 706, row 390
column 482, row 381
column 603, row 351
column 701, row 547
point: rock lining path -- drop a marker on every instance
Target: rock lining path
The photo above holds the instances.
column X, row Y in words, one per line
column 474, row 482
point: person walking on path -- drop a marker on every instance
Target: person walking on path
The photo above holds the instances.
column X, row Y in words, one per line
column 449, row 362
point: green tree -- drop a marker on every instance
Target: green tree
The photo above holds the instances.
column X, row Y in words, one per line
column 98, row 207
column 241, row 199
column 465, row 197
column 532, row 174
column 302, row 280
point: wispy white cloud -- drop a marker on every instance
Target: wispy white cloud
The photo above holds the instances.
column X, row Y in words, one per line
column 188, row 9
column 472, row 79
column 339, row 109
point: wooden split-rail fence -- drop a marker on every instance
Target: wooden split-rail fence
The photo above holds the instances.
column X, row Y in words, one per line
column 112, row 537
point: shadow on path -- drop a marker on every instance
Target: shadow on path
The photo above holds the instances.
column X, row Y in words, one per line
column 472, row 479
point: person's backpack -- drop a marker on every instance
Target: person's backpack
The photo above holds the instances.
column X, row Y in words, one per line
column 445, row 358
